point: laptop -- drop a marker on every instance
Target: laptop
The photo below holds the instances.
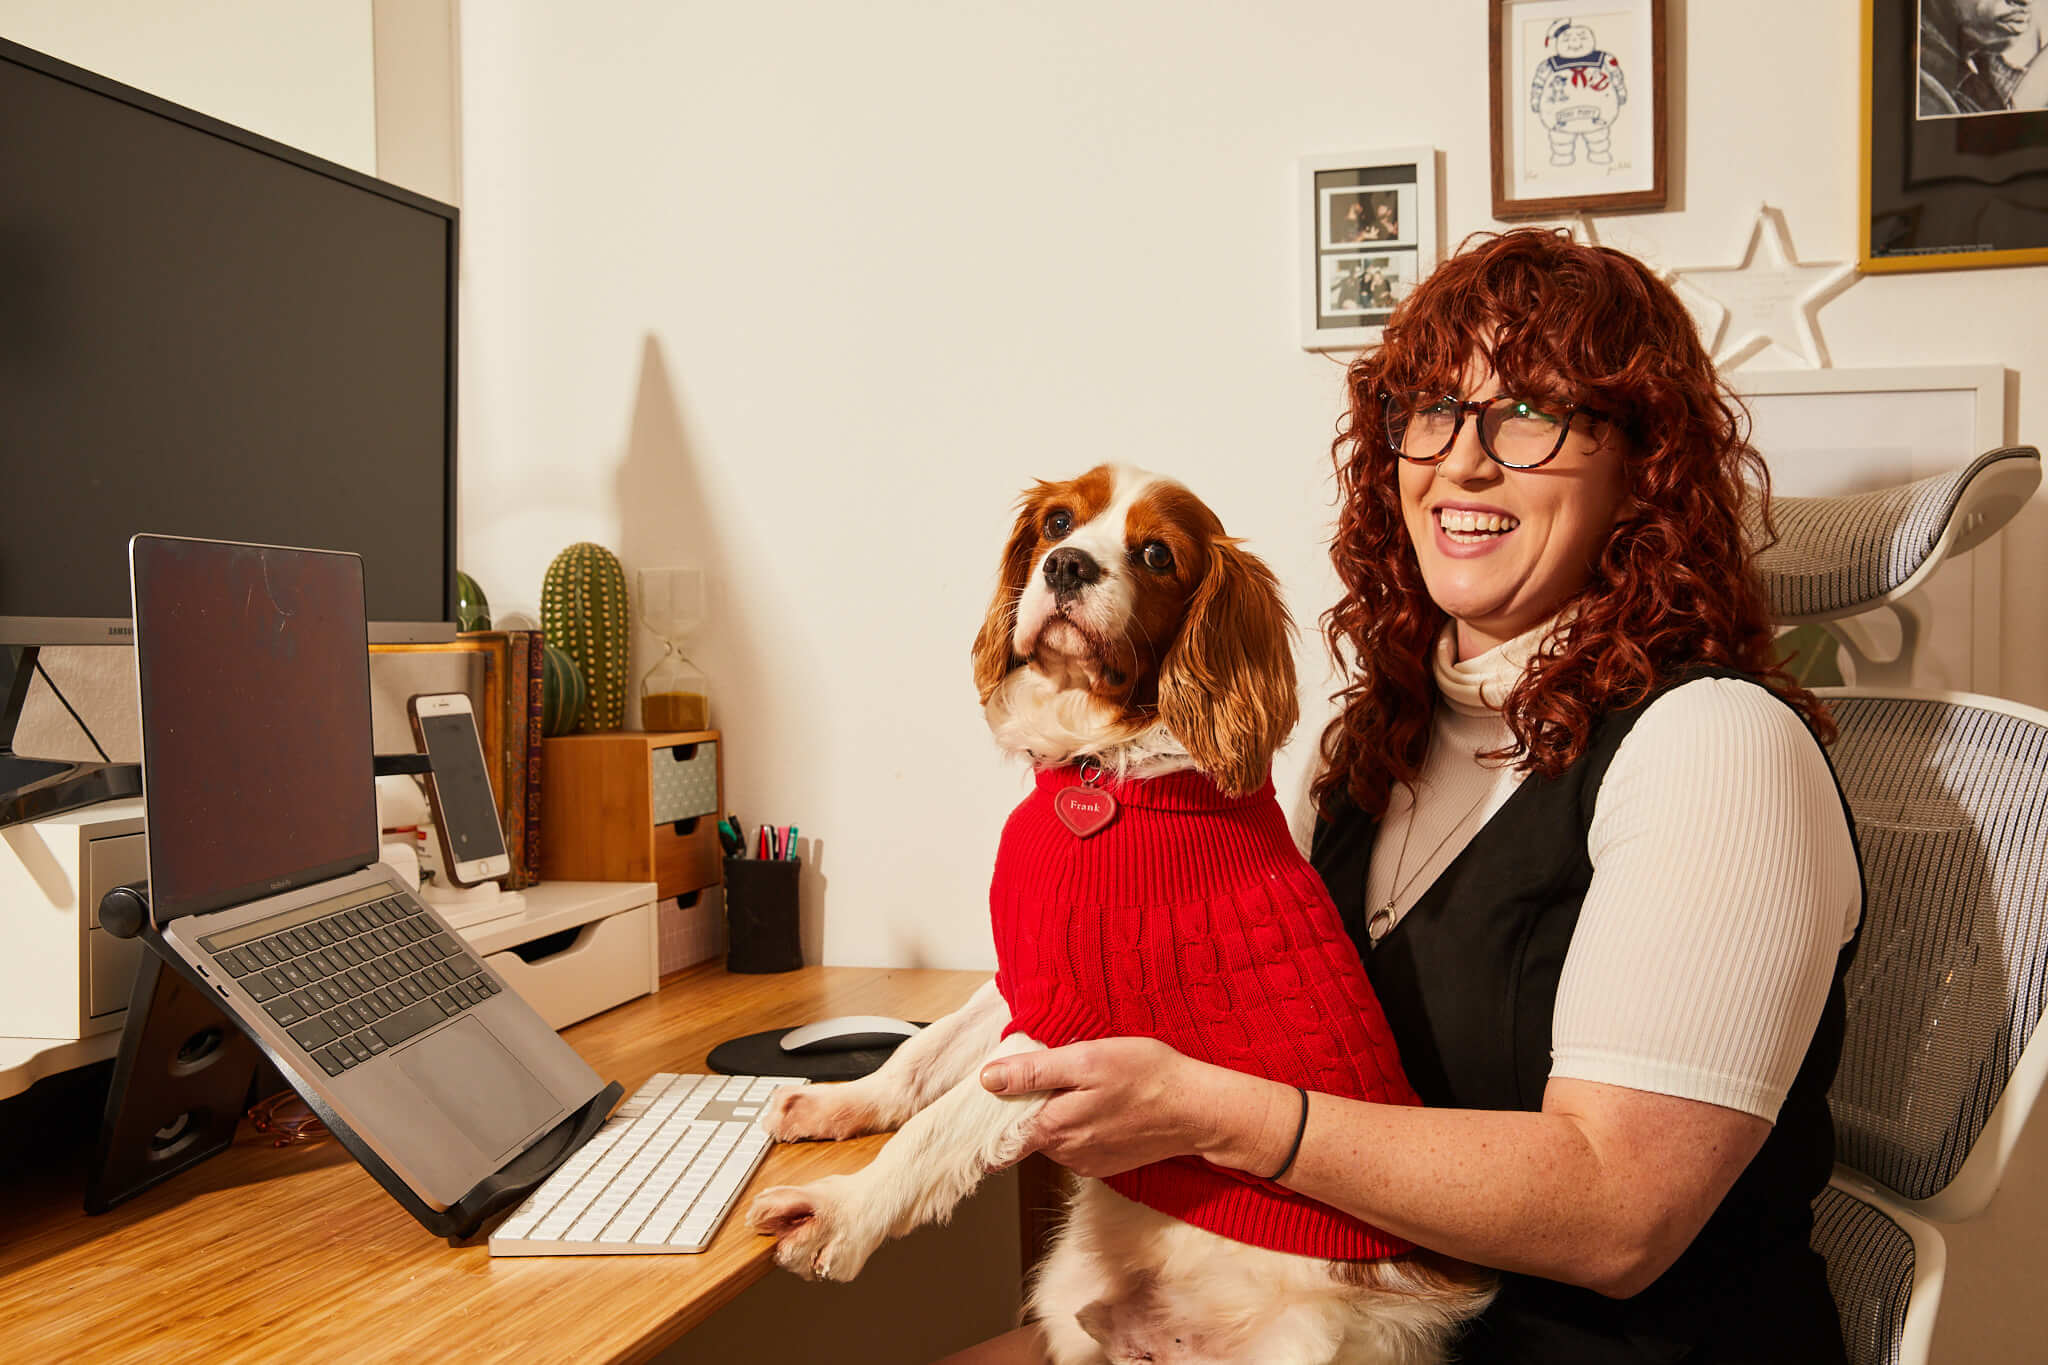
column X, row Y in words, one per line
column 259, row 790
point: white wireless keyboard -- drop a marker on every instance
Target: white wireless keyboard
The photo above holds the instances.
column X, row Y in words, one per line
column 659, row 1176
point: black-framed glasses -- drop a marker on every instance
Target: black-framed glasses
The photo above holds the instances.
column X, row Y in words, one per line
column 1519, row 433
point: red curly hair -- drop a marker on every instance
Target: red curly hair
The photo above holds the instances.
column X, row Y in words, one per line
column 1674, row 588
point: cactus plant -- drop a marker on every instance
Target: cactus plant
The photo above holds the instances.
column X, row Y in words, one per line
column 583, row 610
column 561, row 690
column 472, row 608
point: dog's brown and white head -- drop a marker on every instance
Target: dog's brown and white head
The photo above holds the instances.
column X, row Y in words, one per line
column 1124, row 611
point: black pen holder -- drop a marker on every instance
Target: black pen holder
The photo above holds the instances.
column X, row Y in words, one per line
column 761, row 921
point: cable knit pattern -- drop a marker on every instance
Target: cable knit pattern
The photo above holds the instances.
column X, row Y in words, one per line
column 1192, row 918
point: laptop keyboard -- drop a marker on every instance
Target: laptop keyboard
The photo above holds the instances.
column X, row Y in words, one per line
column 660, row 1175
column 355, row 982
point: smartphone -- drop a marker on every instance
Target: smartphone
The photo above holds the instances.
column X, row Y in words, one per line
column 459, row 788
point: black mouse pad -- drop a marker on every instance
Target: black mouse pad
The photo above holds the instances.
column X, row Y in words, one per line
column 761, row 1054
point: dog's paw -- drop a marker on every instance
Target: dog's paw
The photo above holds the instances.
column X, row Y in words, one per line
column 822, row 1112
column 818, row 1229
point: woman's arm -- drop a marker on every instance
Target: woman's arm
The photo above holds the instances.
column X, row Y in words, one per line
column 1603, row 1188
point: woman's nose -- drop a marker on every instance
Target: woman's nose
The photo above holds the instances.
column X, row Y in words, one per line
column 1466, row 462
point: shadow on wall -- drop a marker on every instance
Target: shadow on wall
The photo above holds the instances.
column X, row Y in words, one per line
column 668, row 518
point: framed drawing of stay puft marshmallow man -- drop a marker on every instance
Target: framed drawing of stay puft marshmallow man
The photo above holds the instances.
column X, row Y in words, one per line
column 1578, row 106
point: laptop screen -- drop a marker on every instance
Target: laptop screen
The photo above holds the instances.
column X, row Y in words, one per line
column 254, row 667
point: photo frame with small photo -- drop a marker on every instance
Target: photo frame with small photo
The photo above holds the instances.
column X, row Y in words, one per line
column 1578, row 107
column 1369, row 235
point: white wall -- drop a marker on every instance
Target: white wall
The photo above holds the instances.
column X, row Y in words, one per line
column 806, row 294
column 299, row 72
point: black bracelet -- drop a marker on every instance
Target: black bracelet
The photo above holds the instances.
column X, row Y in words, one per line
column 1295, row 1150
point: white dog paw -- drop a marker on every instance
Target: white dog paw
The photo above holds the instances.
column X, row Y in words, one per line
column 815, row 1111
column 819, row 1233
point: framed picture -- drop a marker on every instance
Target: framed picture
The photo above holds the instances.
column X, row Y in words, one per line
column 1954, row 170
column 1578, row 107
column 1828, row 432
column 1369, row 235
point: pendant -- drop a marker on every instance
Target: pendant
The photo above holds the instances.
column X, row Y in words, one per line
column 1382, row 920
column 1084, row 810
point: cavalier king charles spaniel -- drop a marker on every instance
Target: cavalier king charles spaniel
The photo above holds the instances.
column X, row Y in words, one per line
column 1140, row 660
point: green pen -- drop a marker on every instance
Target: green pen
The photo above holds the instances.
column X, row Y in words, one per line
column 789, row 845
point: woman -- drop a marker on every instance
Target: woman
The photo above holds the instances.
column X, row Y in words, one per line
column 1593, row 856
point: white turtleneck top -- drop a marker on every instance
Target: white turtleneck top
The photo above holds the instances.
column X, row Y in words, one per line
column 1724, row 880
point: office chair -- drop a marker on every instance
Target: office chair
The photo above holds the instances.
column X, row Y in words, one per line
column 1941, row 1064
column 1950, row 796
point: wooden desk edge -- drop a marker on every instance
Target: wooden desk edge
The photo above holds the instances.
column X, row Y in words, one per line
column 367, row 1251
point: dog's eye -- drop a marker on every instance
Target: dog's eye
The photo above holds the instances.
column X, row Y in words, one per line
column 1058, row 522
column 1157, row 557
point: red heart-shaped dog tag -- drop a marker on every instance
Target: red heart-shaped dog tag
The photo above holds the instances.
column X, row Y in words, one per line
column 1084, row 810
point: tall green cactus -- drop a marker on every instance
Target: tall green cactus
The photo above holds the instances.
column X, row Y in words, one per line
column 583, row 609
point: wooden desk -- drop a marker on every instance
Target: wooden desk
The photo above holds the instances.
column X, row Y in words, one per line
column 296, row 1254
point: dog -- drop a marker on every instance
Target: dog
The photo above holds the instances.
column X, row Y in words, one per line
column 1141, row 661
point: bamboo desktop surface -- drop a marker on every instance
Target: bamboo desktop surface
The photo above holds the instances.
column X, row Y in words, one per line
column 296, row 1254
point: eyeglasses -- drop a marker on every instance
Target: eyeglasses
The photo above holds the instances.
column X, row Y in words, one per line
column 1514, row 432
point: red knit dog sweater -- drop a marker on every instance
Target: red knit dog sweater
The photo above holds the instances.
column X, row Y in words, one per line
column 1193, row 919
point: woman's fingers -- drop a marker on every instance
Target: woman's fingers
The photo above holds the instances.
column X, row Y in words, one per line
column 1059, row 1068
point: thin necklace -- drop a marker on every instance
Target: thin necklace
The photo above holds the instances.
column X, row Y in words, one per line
column 1381, row 922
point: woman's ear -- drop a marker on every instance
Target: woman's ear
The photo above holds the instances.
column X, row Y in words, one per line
column 1226, row 690
column 992, row 657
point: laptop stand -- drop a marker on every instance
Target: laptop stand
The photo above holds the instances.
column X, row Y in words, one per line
column 181, row 1082
column 184, row 1069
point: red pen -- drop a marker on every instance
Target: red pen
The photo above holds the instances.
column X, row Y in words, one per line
column 761, row 841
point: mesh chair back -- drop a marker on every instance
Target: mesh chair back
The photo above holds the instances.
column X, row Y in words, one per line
column 1951, row 808
column 1834, row 556
column 1870, row 1271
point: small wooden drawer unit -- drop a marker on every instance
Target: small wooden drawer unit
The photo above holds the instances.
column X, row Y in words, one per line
column 625, row 806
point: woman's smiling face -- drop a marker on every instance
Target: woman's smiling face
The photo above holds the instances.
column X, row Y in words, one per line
column 1502, row 550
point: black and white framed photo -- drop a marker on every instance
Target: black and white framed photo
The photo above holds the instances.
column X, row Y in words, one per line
column 1578, row 107
column 1369, row 235
column 1954, row 169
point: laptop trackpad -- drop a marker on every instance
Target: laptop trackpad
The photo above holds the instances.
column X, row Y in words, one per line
column 481, row 1087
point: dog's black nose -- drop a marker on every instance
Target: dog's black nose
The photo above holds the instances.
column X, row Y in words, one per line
column 1068, row 570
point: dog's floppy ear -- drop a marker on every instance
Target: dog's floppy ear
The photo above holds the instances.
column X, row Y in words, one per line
column 992, row 657
column 1226, row 690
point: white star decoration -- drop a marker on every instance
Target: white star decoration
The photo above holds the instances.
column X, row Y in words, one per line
column 1750, row 307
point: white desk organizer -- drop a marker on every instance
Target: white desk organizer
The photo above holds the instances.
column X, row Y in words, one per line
column 575, row 948
column 61, row 975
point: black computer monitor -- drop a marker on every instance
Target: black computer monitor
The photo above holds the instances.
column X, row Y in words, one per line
column 206, row 333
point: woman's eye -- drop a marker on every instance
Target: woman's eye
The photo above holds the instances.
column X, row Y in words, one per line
column 1058, row 523
column 1157, row 557
column 1527, row 411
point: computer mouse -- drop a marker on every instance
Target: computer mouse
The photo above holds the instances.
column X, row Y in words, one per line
column 845, row 1032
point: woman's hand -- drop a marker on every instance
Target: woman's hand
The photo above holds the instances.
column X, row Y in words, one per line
column 1121, row 1103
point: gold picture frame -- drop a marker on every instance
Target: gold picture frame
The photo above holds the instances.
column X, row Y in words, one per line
column 1948, row 178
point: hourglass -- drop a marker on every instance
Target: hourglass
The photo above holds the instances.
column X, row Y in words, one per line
column 674, row 694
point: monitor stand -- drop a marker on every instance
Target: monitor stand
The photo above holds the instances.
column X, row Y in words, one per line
column 31, row 788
